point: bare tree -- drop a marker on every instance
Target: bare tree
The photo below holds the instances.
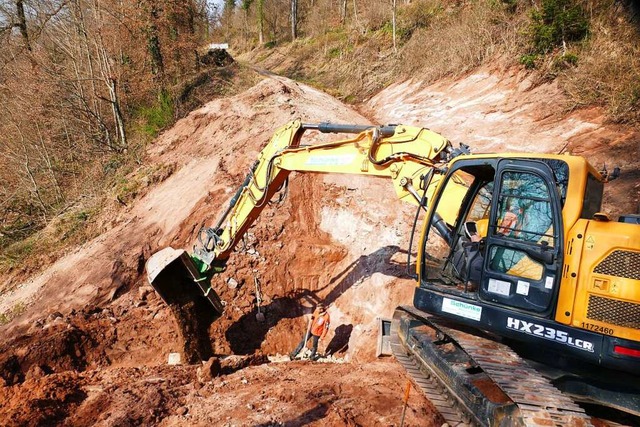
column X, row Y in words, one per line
column 294, row 19
column 22, row 23
column 261, row 21
column 73, row 73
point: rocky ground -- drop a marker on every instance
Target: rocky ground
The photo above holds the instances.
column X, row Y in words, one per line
column 92, row 344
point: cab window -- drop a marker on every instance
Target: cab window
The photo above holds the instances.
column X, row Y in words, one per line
column 524, row 209
column 524, row 214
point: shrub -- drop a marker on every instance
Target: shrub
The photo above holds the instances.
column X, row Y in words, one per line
column 16, row 311
column 130, row 187
column 159, row 116
column 529, row 60
column 419, row 14
column 18, row 252
column 567, row 60
column 334, row 52
column 510, row 5
column 556, row 23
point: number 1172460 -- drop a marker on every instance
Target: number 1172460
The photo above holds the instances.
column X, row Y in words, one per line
column 597, row 328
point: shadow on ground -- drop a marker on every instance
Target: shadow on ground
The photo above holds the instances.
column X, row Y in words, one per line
column 247, row 334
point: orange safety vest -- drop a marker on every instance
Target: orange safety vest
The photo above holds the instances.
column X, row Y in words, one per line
column 319, row 323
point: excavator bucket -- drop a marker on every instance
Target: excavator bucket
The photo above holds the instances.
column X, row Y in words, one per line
column 177, row 279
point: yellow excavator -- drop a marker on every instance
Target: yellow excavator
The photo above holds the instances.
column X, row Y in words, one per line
column 527, row 296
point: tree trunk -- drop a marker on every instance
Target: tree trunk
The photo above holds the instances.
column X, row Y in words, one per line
column 22, row 24
column 117, row 113
column 44, row 153
column 393, row 22
column 109, row 79
column 294, row 19
column 153, row 42
column 261, row 21
column 343, row 11
column 34, row 183
column 94, row 108
column 355, row 13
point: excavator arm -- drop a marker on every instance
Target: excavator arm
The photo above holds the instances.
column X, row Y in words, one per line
column 407, row 155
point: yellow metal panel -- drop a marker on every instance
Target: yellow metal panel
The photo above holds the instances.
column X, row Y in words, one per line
column 618, row 286
column 569, row 276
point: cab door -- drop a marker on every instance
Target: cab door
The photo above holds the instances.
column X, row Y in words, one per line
column 524, row 240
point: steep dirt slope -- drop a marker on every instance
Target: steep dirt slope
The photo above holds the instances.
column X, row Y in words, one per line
column 93, row 343
column 338, row 239
column 212, row 150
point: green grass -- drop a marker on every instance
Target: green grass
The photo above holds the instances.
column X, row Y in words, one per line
column 529, row 60
column 16, row 253
column 334, row 52
column 71, row 223
column 157, row 117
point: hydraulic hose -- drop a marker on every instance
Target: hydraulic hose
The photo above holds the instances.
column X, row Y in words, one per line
column 236, row 196
column 388, row 130
column 423, row 205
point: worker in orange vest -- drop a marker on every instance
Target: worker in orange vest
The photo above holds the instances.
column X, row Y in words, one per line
column 316, row 330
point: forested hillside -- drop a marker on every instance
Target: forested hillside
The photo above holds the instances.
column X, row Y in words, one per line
column 353, row 48
column 84, row 85
column 122, row 133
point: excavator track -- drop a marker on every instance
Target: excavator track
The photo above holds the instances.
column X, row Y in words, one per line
column 490, row 383
column 430, row 387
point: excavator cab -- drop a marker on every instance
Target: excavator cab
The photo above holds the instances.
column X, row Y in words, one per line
column 541, row 265
column 545, row 286
column 518, row 204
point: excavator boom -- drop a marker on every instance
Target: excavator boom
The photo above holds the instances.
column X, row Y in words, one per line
column 407, row 155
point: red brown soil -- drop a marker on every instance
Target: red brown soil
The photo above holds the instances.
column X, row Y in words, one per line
column 92, row 345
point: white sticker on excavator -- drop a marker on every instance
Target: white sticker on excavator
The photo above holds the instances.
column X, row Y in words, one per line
column 499, row 287
column 522, row 288
column 461, row 309
column 548, row 283
column 330, row 160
